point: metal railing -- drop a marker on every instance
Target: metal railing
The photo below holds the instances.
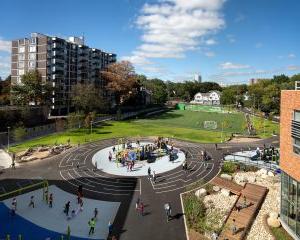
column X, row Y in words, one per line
column 249, row 162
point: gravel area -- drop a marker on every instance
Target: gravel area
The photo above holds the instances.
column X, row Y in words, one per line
column 218, row 207
column 271, row 203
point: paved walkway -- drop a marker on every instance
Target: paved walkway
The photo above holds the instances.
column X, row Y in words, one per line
column 61, row 170
column 5, row 160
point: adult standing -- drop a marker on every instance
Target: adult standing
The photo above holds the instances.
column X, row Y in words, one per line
column 14, row 207
column 95, row 213
column 149, row 172
column 141, row 208
column 67, row 208
column 168, row 211
column 92, row 224
column 110, row 228
column 51, row 200
column 31, row 203
column 154, row 177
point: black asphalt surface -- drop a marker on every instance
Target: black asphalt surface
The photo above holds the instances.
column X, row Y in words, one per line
column 129, row 225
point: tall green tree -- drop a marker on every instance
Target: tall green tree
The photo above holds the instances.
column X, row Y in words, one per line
column 32, row 90
column 88, row 98
column 158, row 89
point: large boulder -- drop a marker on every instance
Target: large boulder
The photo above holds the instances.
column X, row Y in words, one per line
column 273, row 215
column 273, row 222
column 201, row 192
column 261, row 172
column 226, row 176
column 216, row 188
column 225, row 192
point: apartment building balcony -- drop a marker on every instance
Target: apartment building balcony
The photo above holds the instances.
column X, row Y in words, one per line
column 57, row 46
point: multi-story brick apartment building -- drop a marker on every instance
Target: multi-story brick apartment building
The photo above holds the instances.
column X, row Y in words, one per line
column 290, row 161
column 61, row 62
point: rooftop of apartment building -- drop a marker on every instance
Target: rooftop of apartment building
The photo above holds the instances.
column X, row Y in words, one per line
column 80, row 41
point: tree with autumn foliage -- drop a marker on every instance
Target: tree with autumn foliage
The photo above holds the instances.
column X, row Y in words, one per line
column 121, row 80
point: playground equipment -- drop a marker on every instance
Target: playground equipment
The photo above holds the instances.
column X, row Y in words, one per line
column 129, row 151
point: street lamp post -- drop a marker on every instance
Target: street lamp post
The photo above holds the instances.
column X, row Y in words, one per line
column 8, row 139
column 91, row 126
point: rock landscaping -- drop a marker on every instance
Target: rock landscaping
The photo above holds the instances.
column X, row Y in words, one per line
column 37, row 153
column 270, row 206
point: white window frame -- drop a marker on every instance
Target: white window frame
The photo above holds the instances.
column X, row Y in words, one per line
column 22, row 49
column 31, row 48
column 21, row 72
column 19, row 56
column 29, row 66
column 30, row 56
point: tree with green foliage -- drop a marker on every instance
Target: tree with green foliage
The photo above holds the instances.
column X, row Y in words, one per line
column 158, row 89
column 32, row 90
column 75, row 119
column 87, row 98
column 19, row 133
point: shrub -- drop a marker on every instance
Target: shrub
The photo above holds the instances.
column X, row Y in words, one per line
column 229, row 167
column 195, row 212
column 19, row 133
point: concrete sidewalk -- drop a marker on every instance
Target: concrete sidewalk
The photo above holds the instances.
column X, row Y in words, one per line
column 5, row 159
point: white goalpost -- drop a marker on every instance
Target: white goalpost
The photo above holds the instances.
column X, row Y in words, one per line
column 210, row 125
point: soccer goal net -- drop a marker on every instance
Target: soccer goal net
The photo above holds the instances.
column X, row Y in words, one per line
column 210, row 125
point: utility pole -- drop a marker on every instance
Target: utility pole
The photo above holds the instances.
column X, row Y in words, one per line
column 8, row 139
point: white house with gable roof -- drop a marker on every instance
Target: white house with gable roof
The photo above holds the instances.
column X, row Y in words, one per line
column 210, row 98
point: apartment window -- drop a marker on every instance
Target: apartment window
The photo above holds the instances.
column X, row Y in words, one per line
column 31, row 64
column 19, row 80
column 33, row 40
column 32, row 49
column 32, row 56
column 21, row 72
column 21, row 64
column 22, row 56
column 21, row 49
column 296, row 145
column 297, row 115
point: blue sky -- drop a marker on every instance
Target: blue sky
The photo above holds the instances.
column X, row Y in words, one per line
column 225, row 41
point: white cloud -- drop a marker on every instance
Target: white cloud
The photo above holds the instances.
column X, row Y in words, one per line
column 230, row 65
column 210, row 54
column 210, row 42
column 291, row 55
column 293, row 68
column 173, row 27
column 5, row 46
column 4, row 66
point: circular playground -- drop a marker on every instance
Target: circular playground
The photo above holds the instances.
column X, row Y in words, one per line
column 134, row 159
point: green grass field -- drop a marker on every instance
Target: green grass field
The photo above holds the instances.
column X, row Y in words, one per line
column 185, row 125
column 234, row 122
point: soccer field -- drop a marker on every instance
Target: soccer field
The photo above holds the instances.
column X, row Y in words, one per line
column 185, row 125
column 232, row 122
